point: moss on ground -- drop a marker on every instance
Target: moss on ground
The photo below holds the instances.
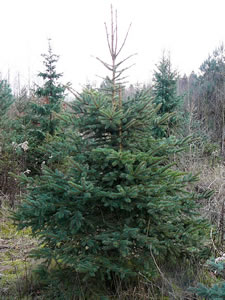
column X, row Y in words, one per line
column 15, row 266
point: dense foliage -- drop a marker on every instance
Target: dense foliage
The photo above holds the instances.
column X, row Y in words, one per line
column 119, row 201
column 41, row 121
column 101, row 182
column 50, row 96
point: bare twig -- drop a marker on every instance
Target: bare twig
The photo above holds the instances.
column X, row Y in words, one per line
column 116, row 30
column 222, row 225
column 108, row 66
column 214, row 246
column 123, row 70
column 162, row 275
column 112, row 32
column 122, row 61
column 125, row 39
column 107, row 36
column 112, row 41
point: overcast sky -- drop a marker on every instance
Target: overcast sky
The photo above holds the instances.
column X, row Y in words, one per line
column 188, row 29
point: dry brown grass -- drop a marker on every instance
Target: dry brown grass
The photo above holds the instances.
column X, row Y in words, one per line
column 211, row 177
column 15, row 266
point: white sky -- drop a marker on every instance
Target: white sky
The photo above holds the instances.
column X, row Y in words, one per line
column 188, row 29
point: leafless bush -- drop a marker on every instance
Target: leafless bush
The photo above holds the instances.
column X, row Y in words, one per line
column 211, row 177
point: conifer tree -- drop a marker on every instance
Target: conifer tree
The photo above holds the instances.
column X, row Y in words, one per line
column 118, row 202
column 41, row 122
column 7, row 160
column 50, row 96
column 6, row 97
column 165, row 93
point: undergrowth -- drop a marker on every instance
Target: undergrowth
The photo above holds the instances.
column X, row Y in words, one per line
column 22, row 278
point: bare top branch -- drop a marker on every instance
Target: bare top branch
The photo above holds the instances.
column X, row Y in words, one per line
column 112, row 34
column 116, row 80
column 116, row 31
column 124, row 41
column 123, row 70
column 107, row 36
column 128, row 57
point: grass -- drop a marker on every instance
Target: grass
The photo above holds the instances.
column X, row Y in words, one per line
column 15, row 266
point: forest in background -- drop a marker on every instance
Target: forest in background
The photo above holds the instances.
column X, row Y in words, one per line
column 119, row 193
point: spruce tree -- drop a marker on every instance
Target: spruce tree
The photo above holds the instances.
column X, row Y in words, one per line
column 118, row 202
column 165, row 94
column 50, row 96
column 7, row 159
column 6, row 98
column 41, row 122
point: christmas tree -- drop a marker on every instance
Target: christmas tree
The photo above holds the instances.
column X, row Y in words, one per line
column 118, row 202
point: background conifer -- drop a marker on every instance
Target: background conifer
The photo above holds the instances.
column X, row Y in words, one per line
column 165, row 94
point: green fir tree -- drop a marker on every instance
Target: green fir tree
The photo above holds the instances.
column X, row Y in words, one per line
column 41, row 121
column 165, row 94
column 118, row 203
column 50, row 97
column 7, row 158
